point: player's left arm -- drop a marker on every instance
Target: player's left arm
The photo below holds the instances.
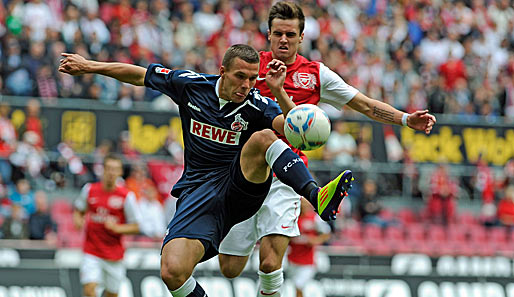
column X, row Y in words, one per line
column 132, row 216
column 382, row 112
column 336, row 92
column 275, row 78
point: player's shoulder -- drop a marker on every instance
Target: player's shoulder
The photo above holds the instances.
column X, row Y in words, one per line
column 122, row 190
column 182, row 74
column 265, row 56
column 256, row 98
column 302, row 61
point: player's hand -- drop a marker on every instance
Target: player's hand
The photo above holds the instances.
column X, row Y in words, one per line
column 73, row 64
column 421, row 120
column 276, row 75
column 111, row 225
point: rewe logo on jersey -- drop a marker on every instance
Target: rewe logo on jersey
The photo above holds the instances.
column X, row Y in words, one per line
column 214, row 133
column 304, row 80
column 239, row 124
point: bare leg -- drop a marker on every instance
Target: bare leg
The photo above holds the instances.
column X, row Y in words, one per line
column 231, row 266
column 179, row 258
column 89, row 290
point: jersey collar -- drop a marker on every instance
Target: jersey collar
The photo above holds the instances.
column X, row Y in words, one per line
column 222, row 102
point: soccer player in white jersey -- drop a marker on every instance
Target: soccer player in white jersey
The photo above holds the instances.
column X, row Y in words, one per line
column 306, row 82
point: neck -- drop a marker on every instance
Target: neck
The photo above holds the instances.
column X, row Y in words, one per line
column 289, row 61
column 220, row 89
column 108, row 186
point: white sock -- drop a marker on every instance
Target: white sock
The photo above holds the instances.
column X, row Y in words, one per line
column 185, row 289
column 270, row 283
column 274, row 151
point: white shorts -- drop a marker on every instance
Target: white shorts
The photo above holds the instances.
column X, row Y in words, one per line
column 300, row 274
column 97, row 270
column 277, row 215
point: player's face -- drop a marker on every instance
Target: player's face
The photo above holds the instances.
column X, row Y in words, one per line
column 113, row 169
column 285, row 39
column 238, row 80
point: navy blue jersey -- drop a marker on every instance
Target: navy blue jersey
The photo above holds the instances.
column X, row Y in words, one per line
column 212, row 136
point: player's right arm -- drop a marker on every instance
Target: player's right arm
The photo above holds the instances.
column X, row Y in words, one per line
column 75, row 64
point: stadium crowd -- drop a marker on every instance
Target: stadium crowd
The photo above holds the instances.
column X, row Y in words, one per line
column 454, row 57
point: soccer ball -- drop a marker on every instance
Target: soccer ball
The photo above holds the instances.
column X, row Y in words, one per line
column 307, row 127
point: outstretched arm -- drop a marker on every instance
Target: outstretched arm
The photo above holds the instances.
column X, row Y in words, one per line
column 75, row 64
column 382, row 112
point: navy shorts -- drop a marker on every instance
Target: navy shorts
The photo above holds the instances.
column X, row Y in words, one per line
column 208, row 211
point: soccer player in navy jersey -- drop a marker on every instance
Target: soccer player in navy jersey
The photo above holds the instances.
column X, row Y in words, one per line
column 229, row 150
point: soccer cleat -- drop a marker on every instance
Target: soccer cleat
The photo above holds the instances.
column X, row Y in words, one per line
column 331, row 195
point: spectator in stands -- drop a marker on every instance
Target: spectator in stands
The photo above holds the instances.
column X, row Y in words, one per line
column 101, row 151
column 301, row 256
column 28, row 160
column 506, row 208
column 24, row 197
column 138, row 181
column 7, row 141
column 15, row 225
column 367, row 207
column 33, row 123
column 442, row 195
column 41, row 224
column 341, row 146
column 152, row 213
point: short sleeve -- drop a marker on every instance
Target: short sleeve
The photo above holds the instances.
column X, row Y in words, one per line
column 81, row 202
column 167, row 81
column 334, row 90
column 131, row 209
column 270, row 108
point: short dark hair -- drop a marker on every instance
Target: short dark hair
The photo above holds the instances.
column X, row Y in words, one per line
column 286, row 10
column 242, row 51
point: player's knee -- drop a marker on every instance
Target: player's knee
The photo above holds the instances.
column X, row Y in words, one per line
column 174, row 273
column 263, row 138
column 230, row 270
column 270, row 264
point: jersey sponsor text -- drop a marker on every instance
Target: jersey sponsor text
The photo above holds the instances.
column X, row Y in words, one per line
column 214, row 133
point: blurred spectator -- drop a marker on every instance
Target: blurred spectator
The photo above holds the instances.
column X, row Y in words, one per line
column 506, row 208
column 173, row 148
column 101, row 151
column 152, row 213
column 28, row 160
column 33, row 123
column 139, row 183
column 341, row 146
column 7, row 141
column 23, row 196
column 441, row 197
column 41, row 224
column 38, row 17
column 15, row 225
column 386, row 47
column 367, row 207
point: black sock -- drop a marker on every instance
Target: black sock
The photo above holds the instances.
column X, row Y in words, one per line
column 310, row 192
column 197, row 292
column 290, row 169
